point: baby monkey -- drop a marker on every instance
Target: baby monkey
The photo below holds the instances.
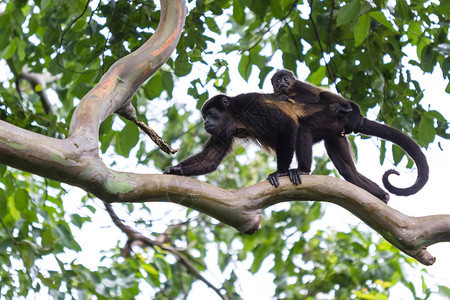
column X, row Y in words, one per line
column 287, row 88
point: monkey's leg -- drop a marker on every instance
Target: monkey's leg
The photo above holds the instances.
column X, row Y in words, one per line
column 338, row 150
column 284, row 148
column 303, row 150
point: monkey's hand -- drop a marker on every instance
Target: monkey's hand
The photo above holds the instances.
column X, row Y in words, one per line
column 175, row 170
column 283, row 97
column 338, row 107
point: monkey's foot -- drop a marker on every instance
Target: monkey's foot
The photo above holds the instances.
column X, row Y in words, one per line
column 294, row 176
column 338, row 107
column 273, row 177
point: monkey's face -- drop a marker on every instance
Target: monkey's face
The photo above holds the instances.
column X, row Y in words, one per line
column 282, row 83
column 212, row 120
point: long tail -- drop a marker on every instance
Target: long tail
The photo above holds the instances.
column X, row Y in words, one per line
column 391, row 134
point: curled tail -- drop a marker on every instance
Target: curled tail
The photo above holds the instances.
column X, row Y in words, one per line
column 391, row 134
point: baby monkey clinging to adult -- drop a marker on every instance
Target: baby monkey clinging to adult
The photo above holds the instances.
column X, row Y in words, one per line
column 286, row 87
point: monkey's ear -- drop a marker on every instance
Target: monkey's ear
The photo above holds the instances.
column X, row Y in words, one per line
column 225, row 101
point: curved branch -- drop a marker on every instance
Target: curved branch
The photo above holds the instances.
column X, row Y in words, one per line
column 76, row 161
column 125, row 76
column 242, row 208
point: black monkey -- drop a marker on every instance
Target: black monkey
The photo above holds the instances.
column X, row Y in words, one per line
column 289, row 127
column 286, row 87
column 343, row 117
column 252, row 116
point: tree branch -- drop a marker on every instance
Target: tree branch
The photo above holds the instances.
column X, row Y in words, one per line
column 76, row 161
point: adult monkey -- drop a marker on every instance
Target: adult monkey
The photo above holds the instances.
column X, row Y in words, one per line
column 287, row 127
column 288, row 88
column 253, row 116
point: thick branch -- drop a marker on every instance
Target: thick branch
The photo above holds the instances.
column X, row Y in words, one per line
column 76, row 161
column 64, row 161
column 118, row 85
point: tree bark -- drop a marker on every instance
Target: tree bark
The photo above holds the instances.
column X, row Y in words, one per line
column 76, row 161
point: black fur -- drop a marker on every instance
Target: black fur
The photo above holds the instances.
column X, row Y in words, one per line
column 288, row 127
column 250, row 116
column 343, row 117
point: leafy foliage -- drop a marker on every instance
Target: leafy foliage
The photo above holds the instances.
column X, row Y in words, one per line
column 356, row 46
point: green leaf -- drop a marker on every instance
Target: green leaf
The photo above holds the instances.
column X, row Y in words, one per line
column 167, row 82
column 397, row 153
column 317, row 76
column 10, row 50
column 2, row 170
column 128, row 138
column 245, row 67
column 404, row 11
column 382, row 151
column 444, row 291
column 163, row 266
column 427, row 132
column 238, row 12
column 21, row 198
column 21, row 49
column 182, row 65
column 45, row 4
column 378, row 84
column 428, row 59
column 349, row 12
column 362, row 29
column 12, row 209
column 212, row 25
column 276, row 8
column 3, row 204
column 259, row 254
column 380, row 17
column 152, row 273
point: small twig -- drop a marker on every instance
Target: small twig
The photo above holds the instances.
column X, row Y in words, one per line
column 7, row 232
column 64, row 33
column 329, row 73
column 156, row 138
column 136, row 238
column 129, row 113
column 35, row 80
column 330, row 24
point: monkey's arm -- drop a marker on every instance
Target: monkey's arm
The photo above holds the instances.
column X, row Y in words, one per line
column 206, row 161
column 336, row 102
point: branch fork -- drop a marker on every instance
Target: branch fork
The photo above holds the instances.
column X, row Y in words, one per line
column 76, row 161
